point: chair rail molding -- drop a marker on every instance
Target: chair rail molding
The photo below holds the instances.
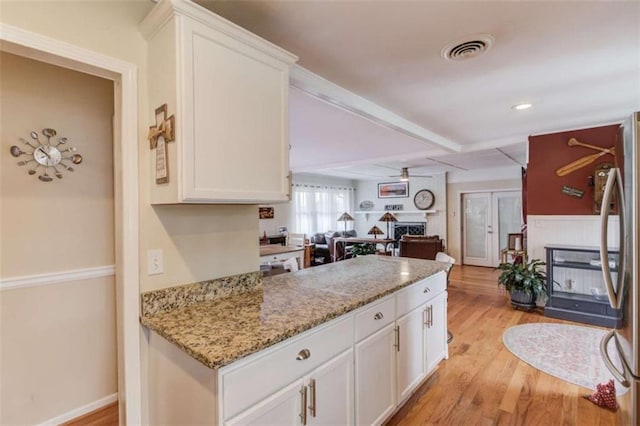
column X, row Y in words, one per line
column 61, row 277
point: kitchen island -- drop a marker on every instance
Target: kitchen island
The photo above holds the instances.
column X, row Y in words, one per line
column 257, row 347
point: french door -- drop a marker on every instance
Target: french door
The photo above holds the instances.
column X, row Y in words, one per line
column 488, row 218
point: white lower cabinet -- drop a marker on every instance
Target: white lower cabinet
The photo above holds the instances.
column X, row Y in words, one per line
column 375, row 359
column 358, row 368
column 323, row 397
column 411, row 356
column 436, row 332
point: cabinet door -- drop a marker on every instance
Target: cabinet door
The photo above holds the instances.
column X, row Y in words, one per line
column 330, row 392
column 436, row 332
column 282, row 408
column 411, row 359
column 375, row 377
column 235, row 118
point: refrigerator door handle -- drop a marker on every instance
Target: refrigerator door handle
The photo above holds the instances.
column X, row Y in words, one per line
column 614, row 294
column 620, row 376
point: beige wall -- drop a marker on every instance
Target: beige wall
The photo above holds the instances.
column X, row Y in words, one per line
column 58, row 341
column 454, row 191
column 198, row 242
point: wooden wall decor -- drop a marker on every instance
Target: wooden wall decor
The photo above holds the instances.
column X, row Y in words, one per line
column 159, row 134
column 551, row 152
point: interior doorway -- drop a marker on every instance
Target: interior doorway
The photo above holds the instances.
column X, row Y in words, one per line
column 487, row 220
column 124, row 76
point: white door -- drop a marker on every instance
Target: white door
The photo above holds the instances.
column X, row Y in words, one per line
column 330, row 392
column 476, row 229
column 282, row 408
column 375, row 393
column 410, row 354
column 488, row 218
column 436, row 332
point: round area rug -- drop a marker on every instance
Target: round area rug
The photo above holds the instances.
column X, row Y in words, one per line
column 568, row 352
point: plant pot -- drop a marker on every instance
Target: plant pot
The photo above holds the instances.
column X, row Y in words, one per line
column 521, row 299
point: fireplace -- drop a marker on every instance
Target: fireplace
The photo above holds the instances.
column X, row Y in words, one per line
column 410, row 228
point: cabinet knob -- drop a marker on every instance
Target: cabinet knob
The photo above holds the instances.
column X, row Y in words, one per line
column 378, row 316
column 303, row 354
column 426, row 290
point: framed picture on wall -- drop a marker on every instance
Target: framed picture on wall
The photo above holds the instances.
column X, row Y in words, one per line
column 393, row 190
column 515, row 242
column 265, row 212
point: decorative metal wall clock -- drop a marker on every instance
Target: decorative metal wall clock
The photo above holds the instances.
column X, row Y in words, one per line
column 47, row 155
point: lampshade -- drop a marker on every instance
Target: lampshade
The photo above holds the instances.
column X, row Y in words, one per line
column 375, row 231
column 346, row 217
column 388, row 217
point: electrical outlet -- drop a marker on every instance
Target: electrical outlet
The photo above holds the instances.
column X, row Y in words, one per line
column 154, row 262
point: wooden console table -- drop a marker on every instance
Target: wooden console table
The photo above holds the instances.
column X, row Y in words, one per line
column 505, row 253
column 278, row 253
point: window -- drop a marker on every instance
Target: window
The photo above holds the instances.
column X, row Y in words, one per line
column 315, row 208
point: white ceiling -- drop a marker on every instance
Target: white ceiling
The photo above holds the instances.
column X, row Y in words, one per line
column 577, row 62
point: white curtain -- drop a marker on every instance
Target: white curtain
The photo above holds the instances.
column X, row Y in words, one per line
column 316, row 208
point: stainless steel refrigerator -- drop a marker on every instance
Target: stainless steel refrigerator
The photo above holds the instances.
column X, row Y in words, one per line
column 622, row 286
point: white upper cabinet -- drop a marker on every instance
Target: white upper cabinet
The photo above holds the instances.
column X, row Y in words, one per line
column 229, row 91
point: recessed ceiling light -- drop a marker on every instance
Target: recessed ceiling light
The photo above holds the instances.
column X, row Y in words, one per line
column 520, row 107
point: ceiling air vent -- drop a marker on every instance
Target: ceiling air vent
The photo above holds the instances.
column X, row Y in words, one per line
column 467, row 48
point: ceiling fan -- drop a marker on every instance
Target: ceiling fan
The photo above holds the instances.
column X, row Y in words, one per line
column 404, row 175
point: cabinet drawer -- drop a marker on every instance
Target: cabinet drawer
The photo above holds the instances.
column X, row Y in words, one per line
column 248, row 381
column 420, row 292
column 579, row 305
column 375, row 317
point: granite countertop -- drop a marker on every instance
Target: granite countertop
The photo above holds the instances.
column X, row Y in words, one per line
column 218, row 332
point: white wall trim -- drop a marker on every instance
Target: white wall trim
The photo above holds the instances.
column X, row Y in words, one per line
column 125, row 77
column 81, row 411
column 57, row 277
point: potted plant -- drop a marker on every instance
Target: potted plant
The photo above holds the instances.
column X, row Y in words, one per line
column 362, row 249
column 524, row 281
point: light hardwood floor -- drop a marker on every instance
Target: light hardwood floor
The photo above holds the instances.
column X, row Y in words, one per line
column 481, row 383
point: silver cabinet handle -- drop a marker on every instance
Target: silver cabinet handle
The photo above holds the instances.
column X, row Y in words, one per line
column 312, row 397
column 426, row 290
column 289, row 177
column 378, row 316
column 397, row 343
column 303, row 405
column 605, row 357
column 303, row 354
column 430, row 316
column 615, row 294
column 425, row 316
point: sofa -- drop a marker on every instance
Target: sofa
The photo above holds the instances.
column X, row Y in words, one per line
column 324, row 242
column 421, row 247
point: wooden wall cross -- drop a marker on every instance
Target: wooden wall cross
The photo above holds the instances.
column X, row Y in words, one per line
column 159, row 135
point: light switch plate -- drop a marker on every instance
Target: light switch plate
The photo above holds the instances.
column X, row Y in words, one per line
column 154, row 262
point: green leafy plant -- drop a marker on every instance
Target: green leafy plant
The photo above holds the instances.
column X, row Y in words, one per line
column 523, row 276
column 362, row 249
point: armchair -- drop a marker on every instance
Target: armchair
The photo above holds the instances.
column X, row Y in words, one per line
column 421, row 247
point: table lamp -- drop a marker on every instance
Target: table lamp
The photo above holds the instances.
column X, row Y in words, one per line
column 388, row 217
column 345, row 217
column 375, row 231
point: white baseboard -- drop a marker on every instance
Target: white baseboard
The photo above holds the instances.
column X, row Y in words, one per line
column 81, row 411
column 56, row 277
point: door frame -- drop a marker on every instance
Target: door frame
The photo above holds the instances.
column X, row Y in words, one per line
column 460, row 207
column 126, row 185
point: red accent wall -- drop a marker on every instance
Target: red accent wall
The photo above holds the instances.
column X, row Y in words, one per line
column 547, row 153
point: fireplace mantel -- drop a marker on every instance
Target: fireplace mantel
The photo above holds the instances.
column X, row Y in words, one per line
column 395, row 212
